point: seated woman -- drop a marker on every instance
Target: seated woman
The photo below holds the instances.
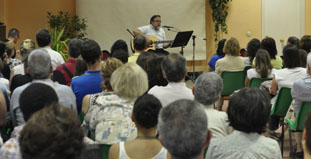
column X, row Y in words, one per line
column 110, row 65
column 111, row 116
column 269, row 45
column 285, row 78
column 232, row 61
column 219, row 54
column 248, row 114
column 146, row 145
column 263, row 68
column 251, row 50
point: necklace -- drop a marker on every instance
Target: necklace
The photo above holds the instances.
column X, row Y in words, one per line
column 146, row 137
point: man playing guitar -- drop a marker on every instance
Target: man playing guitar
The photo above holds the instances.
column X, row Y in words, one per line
column 154, row 30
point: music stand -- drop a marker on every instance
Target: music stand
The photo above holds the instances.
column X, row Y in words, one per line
column 181, row 40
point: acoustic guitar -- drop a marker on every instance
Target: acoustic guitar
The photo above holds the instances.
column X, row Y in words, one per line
column 154, row 40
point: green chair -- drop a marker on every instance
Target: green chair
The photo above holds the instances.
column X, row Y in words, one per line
column 298, row 125
column 256, row 82
column 232, row 81
column 280, row 108
column 105, row 150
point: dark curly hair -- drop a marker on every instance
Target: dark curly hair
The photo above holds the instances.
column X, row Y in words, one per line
column 52, row 133
column 252, row 48
column 269, row 45
column 146, row 111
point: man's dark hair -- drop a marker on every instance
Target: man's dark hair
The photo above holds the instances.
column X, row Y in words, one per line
column 293, row 41
column 303, row 57
column 305, row 43
column 2, row 49
column 43, row 37
column 146, row 111
column 220, row 47
column 90, row 51
column 143, row 59
column 307, row 127
column 119, row 44
column 140, row 42
column 153, row 17
column 80, row 67
column 74, row 47
column 174, row 67
column 120, row 54
column 252, row 48
column 269, row 45
column 249, row 110
column 13, row 33
column 291, row 56
column 35, row 97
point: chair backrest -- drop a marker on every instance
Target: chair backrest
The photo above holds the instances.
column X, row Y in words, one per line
column 302, row 114
column 282, row 102
column 105, row 150
column 232, row 81
column 256, row 82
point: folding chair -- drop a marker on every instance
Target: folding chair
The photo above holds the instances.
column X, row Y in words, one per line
column 105, row 150
column 256, row 82
column 297, row 126
column 232, row 81
column 280, row 108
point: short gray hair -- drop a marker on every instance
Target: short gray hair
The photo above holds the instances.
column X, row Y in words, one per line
column 39, row 63
column 174, row 66
column 183, row 128
column 207, row 88
column 129, row 81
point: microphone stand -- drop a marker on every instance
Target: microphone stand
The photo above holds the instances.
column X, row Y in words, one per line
column 192, row 77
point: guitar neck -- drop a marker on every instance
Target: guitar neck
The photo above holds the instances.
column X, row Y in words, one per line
column 163, row 41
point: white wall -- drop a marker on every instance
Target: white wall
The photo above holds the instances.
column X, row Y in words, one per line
column 282, row 19
column 108, row 20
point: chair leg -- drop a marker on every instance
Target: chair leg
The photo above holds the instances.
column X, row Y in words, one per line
column 282, row 139
column 291, row 153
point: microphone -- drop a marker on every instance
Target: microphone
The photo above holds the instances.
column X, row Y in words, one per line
column 165, row 26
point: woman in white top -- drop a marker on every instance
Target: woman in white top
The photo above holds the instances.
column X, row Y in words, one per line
column 146, row 145
column 263, row 68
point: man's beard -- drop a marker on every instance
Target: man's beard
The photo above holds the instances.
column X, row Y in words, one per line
column 157, row 27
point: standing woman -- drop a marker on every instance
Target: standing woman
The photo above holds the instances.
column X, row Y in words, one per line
column 263, row 68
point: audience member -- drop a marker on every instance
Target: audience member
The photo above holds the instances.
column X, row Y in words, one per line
column 251, row 49
column 269, row 45
column 25, row 48
column 110, row 65
column 219, row 54
column 6, row 69
column 13, row 35
column 232, row 61
column 39, row 63
column 146, row 144
column 140, row 44
column 80, row 67
column 52, row 133
column 44, row 40
column 90, row 81
column 34, row 97
column 121, row 55
column 68, row 68
column 174, row 71
column 10, row 50
column 154, row 71
column 303, row 58
column 262, row 69
column 305, row 43
column 207, row 91
column 143, row 59
column 111, row 116
column 3, row 112
column 119, row 45
column 19, row 79
column 184, row 130
column 3, row 81
column 248, row 114
column 293, row 40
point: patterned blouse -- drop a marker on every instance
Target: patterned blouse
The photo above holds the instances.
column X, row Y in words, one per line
column 110, row 117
